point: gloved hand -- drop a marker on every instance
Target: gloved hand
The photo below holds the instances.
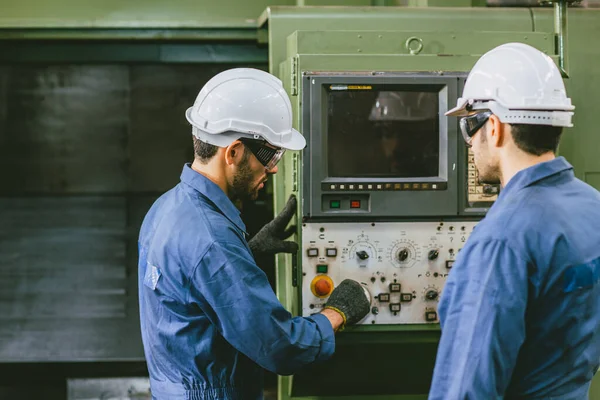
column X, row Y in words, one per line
column 352, row 300
column 271, row 238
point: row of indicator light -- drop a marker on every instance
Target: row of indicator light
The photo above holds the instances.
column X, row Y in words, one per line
column 385, row 186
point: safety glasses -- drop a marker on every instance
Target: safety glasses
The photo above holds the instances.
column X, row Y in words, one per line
column 471, row 124
column 268, row 156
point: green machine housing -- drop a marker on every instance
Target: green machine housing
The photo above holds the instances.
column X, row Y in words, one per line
column 395, row 361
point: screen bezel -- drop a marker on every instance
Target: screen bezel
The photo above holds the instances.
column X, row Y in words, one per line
column 381, row 202
column 442, row 175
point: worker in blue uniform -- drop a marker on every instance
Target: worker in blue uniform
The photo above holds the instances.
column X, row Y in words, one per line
column 210, row 320
column 520, row 313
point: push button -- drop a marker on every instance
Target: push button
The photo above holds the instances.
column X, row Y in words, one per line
column 321, row 286
column 355, row 204
column 384, row 297
column 395, row 287
column 430, row 316
column 406, row 297
column 312, row 252
column 331, row 252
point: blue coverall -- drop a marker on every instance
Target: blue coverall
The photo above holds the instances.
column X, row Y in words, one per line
column 520, row 312
column 210, row 321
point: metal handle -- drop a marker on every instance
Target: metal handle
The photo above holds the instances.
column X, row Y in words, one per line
column 410, row 41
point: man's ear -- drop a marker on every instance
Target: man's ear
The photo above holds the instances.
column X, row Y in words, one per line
column 234, row 153
column 496, row 131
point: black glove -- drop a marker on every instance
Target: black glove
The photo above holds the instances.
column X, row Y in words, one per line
column 271, row 238
column 351, row 300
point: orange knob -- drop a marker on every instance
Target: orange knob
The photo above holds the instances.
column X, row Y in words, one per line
column 321, row 286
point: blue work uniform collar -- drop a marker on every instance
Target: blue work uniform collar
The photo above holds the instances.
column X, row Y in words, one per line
column 212, row 192
column 536, row 173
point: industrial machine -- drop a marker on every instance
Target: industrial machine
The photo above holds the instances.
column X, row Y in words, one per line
column 389, row 192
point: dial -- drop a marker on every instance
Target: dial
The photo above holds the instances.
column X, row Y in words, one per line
column 433, row 254
column 362, row 253
column 404, row 253
column 431, row 293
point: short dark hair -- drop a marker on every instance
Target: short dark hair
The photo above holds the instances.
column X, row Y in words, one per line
column 204, row 151
column 536, row 139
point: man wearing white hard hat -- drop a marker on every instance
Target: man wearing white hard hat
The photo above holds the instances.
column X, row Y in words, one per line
column 520, row 312
column 210, row 320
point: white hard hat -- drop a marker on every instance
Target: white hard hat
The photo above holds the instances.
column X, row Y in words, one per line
column 520, row 85
column 405, row 106
column 244, row 103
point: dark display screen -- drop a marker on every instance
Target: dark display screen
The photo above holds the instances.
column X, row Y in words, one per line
column 382, row 131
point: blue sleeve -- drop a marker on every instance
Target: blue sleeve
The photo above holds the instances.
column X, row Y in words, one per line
column 482, row 312
column 237, row 297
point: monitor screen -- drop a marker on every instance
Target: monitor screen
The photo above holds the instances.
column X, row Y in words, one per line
column 387, row 131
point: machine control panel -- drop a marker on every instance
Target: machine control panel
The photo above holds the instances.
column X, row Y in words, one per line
column 404, row 265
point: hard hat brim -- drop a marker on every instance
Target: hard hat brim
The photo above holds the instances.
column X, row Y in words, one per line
column 297, row 142
column 460, row 110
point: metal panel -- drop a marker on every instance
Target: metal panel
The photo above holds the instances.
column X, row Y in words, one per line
column 283, row 21
column 402, row 42
column 580, row 144
column 109, row 388
column 63, row 284
column 65, row 129
column 134, row 13
column 82, row 51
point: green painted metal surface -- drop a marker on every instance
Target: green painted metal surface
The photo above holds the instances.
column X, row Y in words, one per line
column 133, row 13
column 334, row 3
column 312, row 39
column 86, row 52
column 283, row 21
column 138, row 34
column 581, row 144
column 446, row 3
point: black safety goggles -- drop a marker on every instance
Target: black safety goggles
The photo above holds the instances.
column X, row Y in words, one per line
column 469, row 125
column 268, row 156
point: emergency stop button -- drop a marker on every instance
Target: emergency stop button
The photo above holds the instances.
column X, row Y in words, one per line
column 321, row 286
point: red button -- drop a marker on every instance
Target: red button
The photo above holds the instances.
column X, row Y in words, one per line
column 322, row 287
column 355, row 204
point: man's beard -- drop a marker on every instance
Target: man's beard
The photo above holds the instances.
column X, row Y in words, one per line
column 241, row 187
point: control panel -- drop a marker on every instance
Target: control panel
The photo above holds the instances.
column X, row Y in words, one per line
column 404, row 265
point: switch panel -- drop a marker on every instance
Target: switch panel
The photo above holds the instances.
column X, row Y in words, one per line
column 404, row 265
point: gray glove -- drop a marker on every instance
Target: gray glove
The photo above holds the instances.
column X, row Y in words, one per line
column 271, row 238
column 352, row 300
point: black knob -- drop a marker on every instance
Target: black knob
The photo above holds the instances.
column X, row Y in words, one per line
column 433, row 254
column 363, row 255
column 431, row 294
column 403, row 255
